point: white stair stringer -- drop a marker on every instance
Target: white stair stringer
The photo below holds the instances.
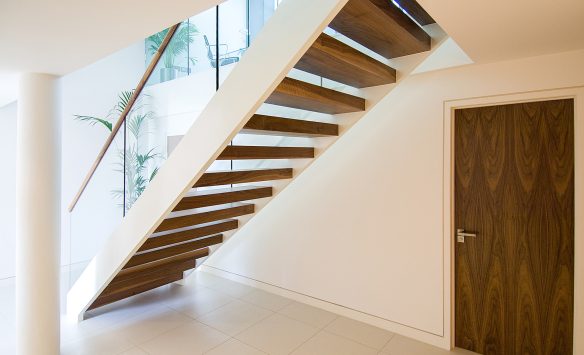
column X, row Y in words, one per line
column 247, row 87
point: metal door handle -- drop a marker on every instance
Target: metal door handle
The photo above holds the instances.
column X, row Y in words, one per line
column 461, row 234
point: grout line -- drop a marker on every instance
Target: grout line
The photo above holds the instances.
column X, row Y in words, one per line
column 322, row 300
column 306, row 341
column 389, row 341
column 358, row 342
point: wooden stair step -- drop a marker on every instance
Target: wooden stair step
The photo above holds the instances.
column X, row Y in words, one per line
column 150, row 256
column 202, row 230
column 206, row 198
column 149, row 274
column 207, row 215
column 413, row 8
column 335, row 60
column 242, row 152
column 382, row 27
column 173, row 263
column 217, row 178
column 305, row 96
column 135, row 290
column 270, row 125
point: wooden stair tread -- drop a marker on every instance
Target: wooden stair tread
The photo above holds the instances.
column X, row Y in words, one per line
column 135, row 290
column 207, row 215
column 413, row 8
column 200, row 231
column 218, row 178
column 382, row 27
column 262, row 124
column 162, row 264
column 242, row 152
column 150, row 256
column 120, row 284
column 305, row 96
column 212, row 197
column 335, row 60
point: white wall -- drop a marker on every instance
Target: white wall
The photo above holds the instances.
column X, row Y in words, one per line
column 7, row 190
column 363, row 226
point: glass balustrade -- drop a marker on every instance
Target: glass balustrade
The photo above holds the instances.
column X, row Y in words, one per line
column 199, row 57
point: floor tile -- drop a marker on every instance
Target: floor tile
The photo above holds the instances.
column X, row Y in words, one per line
column 234, row 347
column 204, row 278
column 267, row 300
column 150, row 325
column 360, row 332
column 308, row 314
column 235, row 317
column 107, row 343
column 232, row 288
column 325, row 343
column 134, row 351
column 400, row 345
column 202, row 302
column 188, row 339
column 277, row 334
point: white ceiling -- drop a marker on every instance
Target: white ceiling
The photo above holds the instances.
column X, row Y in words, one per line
column 58, row 37
column 504, row 29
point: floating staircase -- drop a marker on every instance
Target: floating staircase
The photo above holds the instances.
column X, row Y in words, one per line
column 180, row 242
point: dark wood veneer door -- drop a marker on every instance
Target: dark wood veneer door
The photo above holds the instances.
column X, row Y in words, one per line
column 514, row 187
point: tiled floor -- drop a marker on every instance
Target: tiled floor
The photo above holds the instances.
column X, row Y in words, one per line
column 211, row 315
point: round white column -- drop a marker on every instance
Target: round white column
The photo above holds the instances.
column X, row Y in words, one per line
column 38, row 216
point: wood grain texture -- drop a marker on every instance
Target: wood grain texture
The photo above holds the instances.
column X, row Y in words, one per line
column 305, row 96
column 514, row 186
column 135, row 290
column 270, row 125
column 121, row 282
column 184, row 236
column 415, row 10
column 206, row 198
column 333, row 59
column 207, row 215
column 382, row 27
column 150, row 256
column 241, row 152
column 162, row 264
column 219, row 178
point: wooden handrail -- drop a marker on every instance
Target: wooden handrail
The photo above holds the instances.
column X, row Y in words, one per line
column 118, row 125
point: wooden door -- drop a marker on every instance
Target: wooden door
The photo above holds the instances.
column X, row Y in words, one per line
column 514, row 188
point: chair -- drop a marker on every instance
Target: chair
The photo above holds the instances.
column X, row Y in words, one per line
column 225, row 58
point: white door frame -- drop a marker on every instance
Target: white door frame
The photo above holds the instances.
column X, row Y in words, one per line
column 577, row 93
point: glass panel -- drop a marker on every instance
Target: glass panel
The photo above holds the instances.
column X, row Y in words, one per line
column 99, row 210
column 233, row 35
column 200, row 55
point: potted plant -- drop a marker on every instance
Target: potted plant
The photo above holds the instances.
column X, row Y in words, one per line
column 136, row 161
column 179, row 45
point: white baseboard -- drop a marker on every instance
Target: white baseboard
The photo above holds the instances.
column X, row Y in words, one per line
column 394, row 327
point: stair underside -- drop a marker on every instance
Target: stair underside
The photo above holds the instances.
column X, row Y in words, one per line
column 416, row 11
column 302, row 95
column 153, row 255
column 238, row 152
column 382, row 27
column 332, row 59
column 205, row 216
column 270, row 125
column 242, row 176
column 188, row 235
column 142, row 278
column 206, row 198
